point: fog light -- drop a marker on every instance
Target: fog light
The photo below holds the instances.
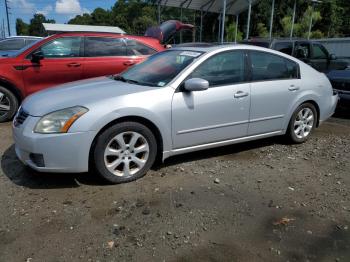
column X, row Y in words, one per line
column 37, row 159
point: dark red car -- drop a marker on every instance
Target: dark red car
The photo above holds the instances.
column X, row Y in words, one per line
column 67, row 57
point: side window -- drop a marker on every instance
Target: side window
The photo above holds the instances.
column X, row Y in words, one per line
column 319, row 52
column 62, row 48
column 302, row 50
column 284, row 47
column 104, row 46
column 267, row 66
column 136, row 48
column 11, row 44
column 31, row 41
column 225, row 68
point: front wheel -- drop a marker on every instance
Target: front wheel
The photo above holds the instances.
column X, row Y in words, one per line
column 8, row 104
column 302, row 123
column 125, row 152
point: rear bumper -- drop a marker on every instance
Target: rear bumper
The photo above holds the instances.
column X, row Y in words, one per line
column 68, row 152
column 329, row 109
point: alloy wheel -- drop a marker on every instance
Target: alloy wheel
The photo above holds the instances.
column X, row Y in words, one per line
column 304, row 122
column 4, row 104
column 126, row 154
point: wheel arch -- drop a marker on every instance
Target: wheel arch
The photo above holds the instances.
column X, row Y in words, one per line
column 11, row 87
column 314, row 103
column 138, row 119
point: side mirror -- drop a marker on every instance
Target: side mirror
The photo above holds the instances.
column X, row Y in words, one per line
column 196, row 84
column 332, row 57
column 37, row 56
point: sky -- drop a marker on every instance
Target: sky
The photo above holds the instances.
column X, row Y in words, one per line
column 59, row 10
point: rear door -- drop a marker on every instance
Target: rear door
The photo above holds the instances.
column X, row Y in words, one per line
column 275, row 84
column 61, row 64
column 105, row 56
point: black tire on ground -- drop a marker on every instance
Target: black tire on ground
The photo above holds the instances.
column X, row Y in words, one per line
column 7, row 99
column 104, row 139
column 291, row 128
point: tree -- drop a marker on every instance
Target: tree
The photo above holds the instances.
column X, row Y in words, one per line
column 22, row 28
column 231, row 33
column 36, row 27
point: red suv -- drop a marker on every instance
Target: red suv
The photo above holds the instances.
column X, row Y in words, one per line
column 67, row 57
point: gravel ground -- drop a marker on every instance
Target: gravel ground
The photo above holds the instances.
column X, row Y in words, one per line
column 257, row 201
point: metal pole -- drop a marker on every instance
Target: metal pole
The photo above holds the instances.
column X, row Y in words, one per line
column 159, row 13
column 7, row 17
column 219, row 27
column 223, row 20
column 181, row 22
column 271, row 19
column 200, row 32
column 310, row 25
column 293, row 19
column 248, row 23
column 237, row 17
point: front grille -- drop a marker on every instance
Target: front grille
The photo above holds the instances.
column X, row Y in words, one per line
column 21, row 117
column 341, row 85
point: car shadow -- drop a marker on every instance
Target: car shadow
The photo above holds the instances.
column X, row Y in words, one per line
column 21, row 175
column 230, row 150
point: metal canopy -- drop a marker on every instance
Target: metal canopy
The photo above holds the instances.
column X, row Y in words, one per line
column 81, row 28
column 233, row 7
column 221, row 7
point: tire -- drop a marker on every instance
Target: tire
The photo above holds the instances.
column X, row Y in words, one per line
column 302, row 123
column 124, row 152
column 9, row 101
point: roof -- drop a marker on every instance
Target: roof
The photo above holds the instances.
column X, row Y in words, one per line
column 82, row 28
column 233, row 7
column 22, row 36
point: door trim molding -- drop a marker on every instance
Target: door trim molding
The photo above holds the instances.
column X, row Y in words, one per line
column 178, row 151
column 211, row 127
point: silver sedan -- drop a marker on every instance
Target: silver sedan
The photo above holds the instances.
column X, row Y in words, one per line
column 177, row 101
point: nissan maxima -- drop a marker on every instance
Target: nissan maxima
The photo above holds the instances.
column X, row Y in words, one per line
column 180, row 100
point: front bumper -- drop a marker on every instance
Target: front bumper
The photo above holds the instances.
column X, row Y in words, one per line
column 68, row 152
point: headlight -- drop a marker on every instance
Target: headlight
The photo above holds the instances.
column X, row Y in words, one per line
column 59, row 121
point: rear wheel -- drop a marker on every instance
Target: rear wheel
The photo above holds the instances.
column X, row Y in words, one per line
column 302, row 123
column 125, row 152
column 8, row 104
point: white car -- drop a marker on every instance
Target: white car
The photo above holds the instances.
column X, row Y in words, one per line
column 177, row 101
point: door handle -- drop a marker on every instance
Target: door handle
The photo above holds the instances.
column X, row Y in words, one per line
column 129, row 63
column 73, row 64
column 240, row 94
column 293, row 88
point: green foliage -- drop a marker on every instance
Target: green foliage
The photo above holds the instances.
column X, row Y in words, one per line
column 231, row 32
column 22, row 28
column 330, row 18
column 262, row 30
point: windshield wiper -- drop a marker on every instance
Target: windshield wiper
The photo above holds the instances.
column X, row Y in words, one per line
column 130, row 81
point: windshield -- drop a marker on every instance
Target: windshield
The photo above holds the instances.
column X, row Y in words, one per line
column 159, row 69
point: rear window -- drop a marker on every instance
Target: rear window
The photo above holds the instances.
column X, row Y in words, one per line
column 136, row 48
column 266, row 66
column 284, row 47
column 11, row 44
column 104, row 46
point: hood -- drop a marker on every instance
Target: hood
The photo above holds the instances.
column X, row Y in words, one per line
column 80, row 93
column 167, row 30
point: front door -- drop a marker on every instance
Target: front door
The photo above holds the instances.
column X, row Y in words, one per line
column 275, row 85
column 62, row 63
column 219, row 113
